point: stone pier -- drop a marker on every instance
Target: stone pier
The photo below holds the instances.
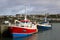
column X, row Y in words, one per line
column 3, row 28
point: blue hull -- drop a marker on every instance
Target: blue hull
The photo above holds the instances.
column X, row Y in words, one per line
column 20, row 35
column 43, row 27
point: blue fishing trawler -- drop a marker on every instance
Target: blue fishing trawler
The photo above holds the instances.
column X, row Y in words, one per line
column 44, row 25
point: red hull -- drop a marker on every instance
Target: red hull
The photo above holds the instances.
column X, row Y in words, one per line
column 22, row 30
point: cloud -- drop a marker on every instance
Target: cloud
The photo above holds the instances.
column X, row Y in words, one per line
column 16, row 10
column 11, row 7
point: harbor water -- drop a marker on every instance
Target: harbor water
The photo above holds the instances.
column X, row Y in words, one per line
column 51, row 34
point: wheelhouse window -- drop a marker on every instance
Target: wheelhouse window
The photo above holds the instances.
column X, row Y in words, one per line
column 25, row 24
column 17, row 23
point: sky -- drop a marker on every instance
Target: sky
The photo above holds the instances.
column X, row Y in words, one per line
column 12, row 7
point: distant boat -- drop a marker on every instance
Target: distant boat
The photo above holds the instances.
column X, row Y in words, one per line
column 22, row 28
column 44, row 25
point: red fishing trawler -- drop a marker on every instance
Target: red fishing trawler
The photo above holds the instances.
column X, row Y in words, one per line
column 23, row 28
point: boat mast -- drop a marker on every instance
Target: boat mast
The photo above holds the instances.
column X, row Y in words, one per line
column 45, row 18
column 25, row 13
column 25, row 17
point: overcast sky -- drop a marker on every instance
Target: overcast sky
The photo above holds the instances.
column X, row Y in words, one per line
column 12, row 7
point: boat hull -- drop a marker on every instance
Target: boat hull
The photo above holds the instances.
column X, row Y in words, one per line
column 21, row 32
column 43, row 27
column 20, row 35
